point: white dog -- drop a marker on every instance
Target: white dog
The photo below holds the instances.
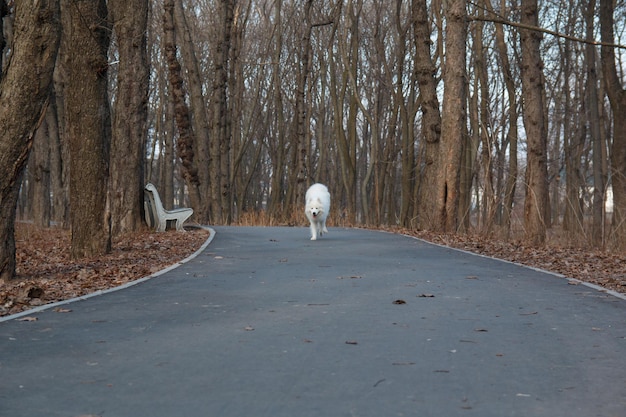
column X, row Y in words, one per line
column 317, row 208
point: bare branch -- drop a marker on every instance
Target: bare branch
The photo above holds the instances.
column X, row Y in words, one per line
column 502, row 21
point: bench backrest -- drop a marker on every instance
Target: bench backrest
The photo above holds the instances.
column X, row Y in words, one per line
column 148, row 207
column 153, row 194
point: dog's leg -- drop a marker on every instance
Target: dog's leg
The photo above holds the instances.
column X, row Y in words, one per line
column 313, row 231
column 324, row 229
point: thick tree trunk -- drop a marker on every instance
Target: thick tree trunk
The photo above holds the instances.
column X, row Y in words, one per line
column 532, row 91
column 24, row 89
column 221, row 130
column 617, row 98
column 454, row 116
column 185, row 144
column 84, row 55
column 426, row 74
column 130, row 20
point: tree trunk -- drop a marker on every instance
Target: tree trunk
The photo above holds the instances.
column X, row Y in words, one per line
column 512, row 132
column 84, row 55
column 532, row 92
column 58, row 160
column 24, row 89
column 346, row 90
column 277, row 148
column 617, row 98
column 426, row 74
column 185, row 144
column 4, row 10
column 300, row 113
column 198, row 108
column 593, row 104
column 129, row 19
column 484, row 134
column 221, row 133
column 573, row 148
column 39, row 176
column 453, row 127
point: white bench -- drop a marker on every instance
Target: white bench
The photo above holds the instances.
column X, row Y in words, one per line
column 157, row 217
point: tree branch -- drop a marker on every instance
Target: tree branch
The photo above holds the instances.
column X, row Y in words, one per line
column 502, row 21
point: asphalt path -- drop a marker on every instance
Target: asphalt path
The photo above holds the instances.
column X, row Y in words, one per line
column 265, row 322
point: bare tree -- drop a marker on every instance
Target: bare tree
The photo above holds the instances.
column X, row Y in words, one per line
column 198, row 107
column 300, row 112
column 84, row 55
column 534, row 123
column 593, row 104
column 129, row 19
column 277, row 149
column 182, row 114
column 24, row 87
column 453, row 127
column 511, row 136
column 221, row 128
column 617, row 98
column 426, row 74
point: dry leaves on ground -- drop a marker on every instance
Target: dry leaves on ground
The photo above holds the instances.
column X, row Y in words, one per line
column 46, row 273
column 602, row 268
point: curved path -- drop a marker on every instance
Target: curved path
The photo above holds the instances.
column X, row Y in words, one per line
column 264, row 322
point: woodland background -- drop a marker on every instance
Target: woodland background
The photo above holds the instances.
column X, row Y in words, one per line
column 491, row 118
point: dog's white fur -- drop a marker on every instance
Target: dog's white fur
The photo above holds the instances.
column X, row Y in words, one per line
column 317, row 208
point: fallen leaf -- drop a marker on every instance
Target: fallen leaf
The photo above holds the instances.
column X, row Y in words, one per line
column 480, row 330
column 426, row 295
column 351, row 342
column 399, row 302
column 29, row 318
column 248, row 328
column 62, row 310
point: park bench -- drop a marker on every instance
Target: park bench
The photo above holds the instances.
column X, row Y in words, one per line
column 159, row 218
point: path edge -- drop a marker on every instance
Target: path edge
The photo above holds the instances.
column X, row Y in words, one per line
column 573, row 281
column 44, row 307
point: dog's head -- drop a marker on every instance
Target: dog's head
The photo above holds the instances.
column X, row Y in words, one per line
column 315, row 208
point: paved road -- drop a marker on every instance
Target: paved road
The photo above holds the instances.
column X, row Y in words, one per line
column 265, row 322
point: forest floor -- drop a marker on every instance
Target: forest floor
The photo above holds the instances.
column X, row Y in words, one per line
column 47, row 274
